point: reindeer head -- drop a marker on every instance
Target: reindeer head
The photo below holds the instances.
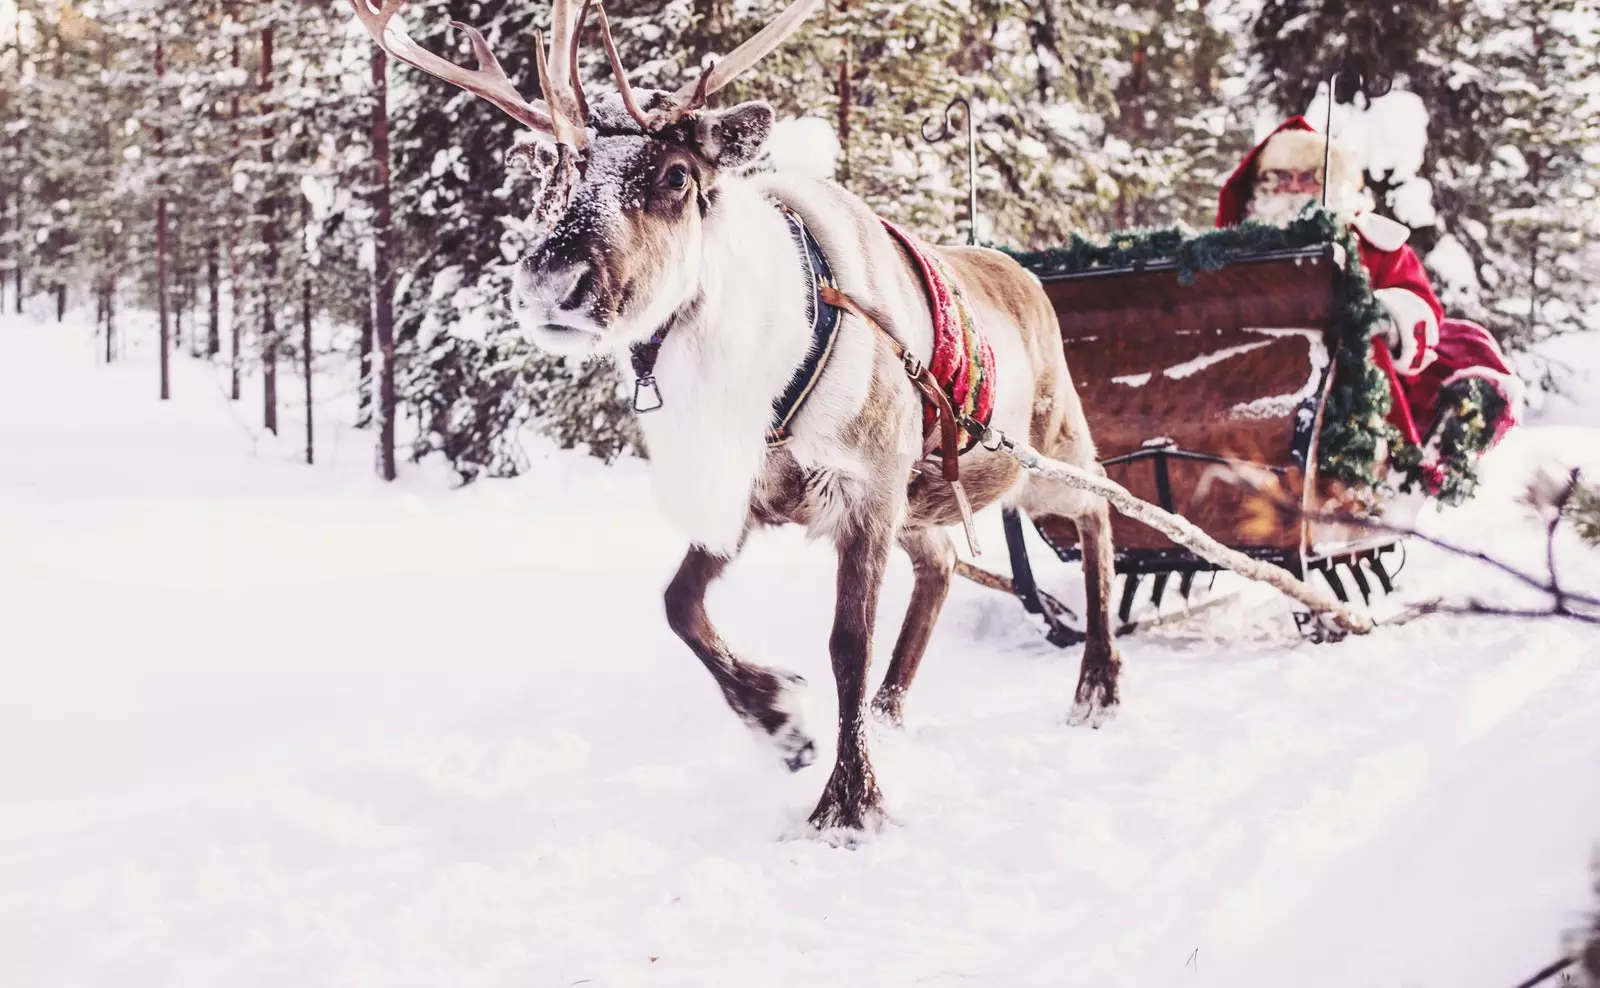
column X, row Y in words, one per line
column 624, row 186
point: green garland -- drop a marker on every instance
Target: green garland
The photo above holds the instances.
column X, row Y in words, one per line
column 1208, row 251
column 1355, row 421
column 1468, row 410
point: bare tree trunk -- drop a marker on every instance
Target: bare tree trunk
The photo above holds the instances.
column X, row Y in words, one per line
column 161, row 240
column 17, row 268
column 305, row 340
column 269, row 364
column 214, row 309
column 5, row 197
column 61, row 303
column 235, row 328
column 235, row 323
column 107, row 287
column 16, row 214
column 269, row 334
column 382, row 266
column 111, row 320
column 364, row 385
column 178, row 301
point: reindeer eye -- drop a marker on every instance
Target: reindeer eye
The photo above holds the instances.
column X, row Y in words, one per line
column 677, row 178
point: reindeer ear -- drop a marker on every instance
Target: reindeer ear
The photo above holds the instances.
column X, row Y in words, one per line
column 733, row 137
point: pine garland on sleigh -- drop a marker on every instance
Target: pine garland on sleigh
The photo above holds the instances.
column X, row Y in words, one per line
column 1355, row 425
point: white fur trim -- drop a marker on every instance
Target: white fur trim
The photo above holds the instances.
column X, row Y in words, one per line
column 1380, row 231
column 1406, row 310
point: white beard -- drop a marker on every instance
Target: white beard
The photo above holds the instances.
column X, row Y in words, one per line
column 1275, row 207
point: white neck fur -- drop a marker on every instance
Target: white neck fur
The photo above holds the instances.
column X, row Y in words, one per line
column 722, row 366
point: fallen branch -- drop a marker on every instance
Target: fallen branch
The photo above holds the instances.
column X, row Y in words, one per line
column 1183, row 532
column 997, row 581
column 1547, row 495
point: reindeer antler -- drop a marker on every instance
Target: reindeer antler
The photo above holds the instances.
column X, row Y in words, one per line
column 693, row 95
column 564, row 112
column 624, row 88
column 569, row 111
column 488, row 80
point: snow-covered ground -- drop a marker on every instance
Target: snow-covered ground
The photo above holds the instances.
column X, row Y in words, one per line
column 270, row 724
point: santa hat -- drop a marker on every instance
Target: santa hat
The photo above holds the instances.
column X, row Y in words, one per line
column 1295, row 145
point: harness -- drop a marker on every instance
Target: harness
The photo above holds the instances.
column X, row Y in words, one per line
column 957, row 394
column 825, row 322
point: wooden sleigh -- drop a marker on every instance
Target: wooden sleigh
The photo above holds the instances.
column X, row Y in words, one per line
column 1180, row 381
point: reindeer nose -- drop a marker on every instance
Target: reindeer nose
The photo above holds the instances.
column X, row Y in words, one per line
column 562, row 288
column 571, row 288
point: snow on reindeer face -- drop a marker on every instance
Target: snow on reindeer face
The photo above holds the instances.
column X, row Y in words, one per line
column 622, row 251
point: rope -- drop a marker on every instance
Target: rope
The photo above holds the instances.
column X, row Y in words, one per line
column 1547, row 972
column 1177, row 528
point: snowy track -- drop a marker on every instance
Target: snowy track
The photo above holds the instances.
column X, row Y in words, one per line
column 265, row 724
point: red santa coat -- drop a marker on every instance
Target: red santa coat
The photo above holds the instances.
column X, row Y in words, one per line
column 1400, row 285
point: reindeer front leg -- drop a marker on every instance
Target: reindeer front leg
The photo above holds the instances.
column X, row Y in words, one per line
column 763, row 698
column 851, row 799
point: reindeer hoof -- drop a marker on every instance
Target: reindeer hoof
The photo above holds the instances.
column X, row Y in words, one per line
column 802, row 754
column 783, row 723
column 1093, row 714
column 1097, row 700
column 846, row 826
column 886, row 707
column 851, row 806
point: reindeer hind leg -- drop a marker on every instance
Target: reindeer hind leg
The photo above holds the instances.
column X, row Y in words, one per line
column 933, row 558
column 1098, row 695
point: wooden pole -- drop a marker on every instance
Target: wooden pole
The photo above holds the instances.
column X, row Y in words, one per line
column 1184, row 532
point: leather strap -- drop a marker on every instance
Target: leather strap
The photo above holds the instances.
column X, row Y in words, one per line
column 948, row 429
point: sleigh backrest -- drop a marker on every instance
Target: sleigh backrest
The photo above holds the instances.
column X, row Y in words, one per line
column 1176, row 373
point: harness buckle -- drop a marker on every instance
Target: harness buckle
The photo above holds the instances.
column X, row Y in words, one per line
column 646, row 381
column 913, row 366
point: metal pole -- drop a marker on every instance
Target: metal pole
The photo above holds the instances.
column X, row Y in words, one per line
column 972, row 177
column 944, row 133
column 1327, row 133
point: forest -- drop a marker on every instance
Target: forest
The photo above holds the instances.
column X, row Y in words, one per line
column 289, row 204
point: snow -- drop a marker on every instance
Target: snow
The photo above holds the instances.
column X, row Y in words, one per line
column 271, row 724
column 1451, row 262
column 1389, row 135
column 1572, row 363
column 1189, row 367
column 803, row 146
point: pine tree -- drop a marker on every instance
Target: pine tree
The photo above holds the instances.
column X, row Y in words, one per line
column 470, row 383
column 1530, row 215
column 1504, row 86
column 1176, row 133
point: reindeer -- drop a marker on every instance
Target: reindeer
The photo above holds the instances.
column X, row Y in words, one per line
column 652, row 240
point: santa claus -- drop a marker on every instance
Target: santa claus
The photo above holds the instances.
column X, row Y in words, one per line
column 1418, row 348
